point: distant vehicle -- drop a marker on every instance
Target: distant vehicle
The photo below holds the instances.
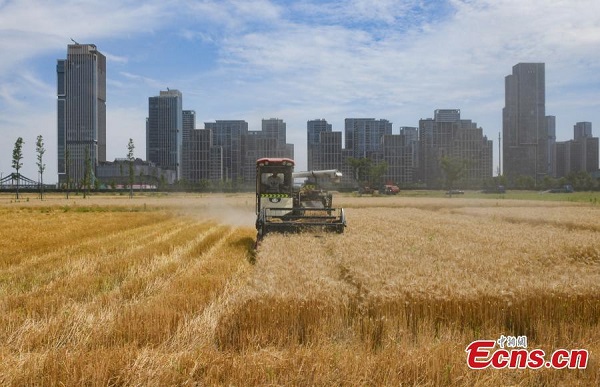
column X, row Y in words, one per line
column 455, row 192
column 390, row 189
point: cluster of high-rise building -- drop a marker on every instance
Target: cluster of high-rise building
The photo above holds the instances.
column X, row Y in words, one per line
column 412, row 156
column 530, row 148
column 226, row 150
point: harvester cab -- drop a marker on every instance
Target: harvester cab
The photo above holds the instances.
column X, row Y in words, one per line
column 280, row 207
column 274, row 184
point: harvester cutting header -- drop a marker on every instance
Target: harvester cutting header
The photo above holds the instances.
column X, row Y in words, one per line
column 280, row 207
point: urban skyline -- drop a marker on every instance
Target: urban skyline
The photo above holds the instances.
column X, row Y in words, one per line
column 173, row 142
column 226, row 149
column 298, row 61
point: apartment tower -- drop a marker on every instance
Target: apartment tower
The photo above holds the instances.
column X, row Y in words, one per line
column 314, row 128
column 363, row 136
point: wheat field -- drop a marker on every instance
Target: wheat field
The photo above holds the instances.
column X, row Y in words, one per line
column 170, row 291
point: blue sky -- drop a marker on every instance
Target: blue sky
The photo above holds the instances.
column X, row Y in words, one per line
column 296, row 60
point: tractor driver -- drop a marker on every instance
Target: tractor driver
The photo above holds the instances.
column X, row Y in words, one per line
column 274, row 182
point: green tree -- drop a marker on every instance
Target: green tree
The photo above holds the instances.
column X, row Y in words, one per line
column 562, row 181
column 203, row 185
column 40, row 150
column 131, row 159
column 548, row 182
column 87, row 173
column 366, row 173
column 453, row 170
column 501, row 180
column 16, row 161
column 162, row 182
column 581, row 180
column 525, row 182
column 360, row 168
column 376, row 172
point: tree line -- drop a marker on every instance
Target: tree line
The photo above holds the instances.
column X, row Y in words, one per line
column 365, row 172
column 17, row 162
column 88, row 179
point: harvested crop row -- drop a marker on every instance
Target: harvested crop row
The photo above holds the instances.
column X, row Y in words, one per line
column 100, row 302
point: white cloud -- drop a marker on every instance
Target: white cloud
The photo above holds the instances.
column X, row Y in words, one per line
column 112, row 59
column 233, row 15
column 358, row 12
column 140, row 79
column 465, row 56
column 393, row 59
column 94, row 18
column 8, row 97
column 31, row 28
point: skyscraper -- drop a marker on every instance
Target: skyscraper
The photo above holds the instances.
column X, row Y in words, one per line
column 551, row 132
column 579, row 154
column 588, row 157
column 276, row 128
column 447, row 135
column 81, row 110
column 525, row 150
column 582, row 130
column 363, row 136
column 398, row 155
column 164, row 131
column 228, row 134
column 199, row 165
column 188, row 125
column 267, row 142
column 314, row 128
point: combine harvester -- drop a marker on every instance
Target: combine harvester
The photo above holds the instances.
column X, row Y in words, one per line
column 282, row 208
